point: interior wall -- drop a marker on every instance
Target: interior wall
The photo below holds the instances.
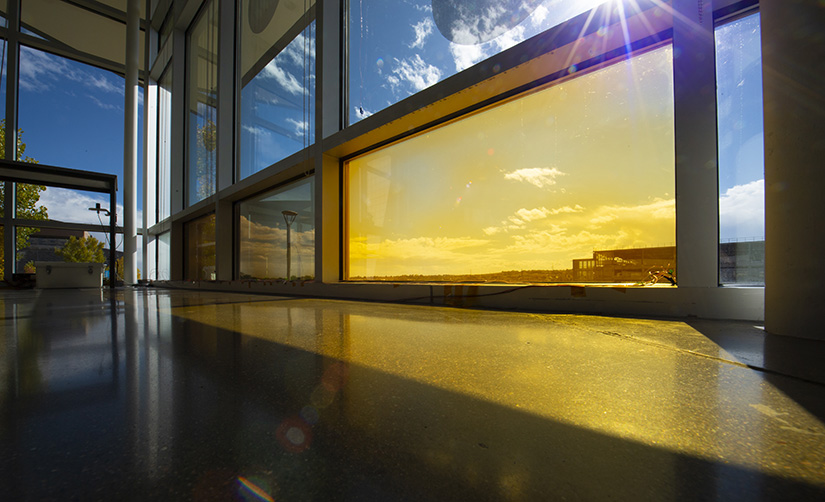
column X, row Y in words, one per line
column 793, row 73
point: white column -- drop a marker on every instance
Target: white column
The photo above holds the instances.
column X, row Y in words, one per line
column 130, row 143
column 697, row 193
column 793, row 78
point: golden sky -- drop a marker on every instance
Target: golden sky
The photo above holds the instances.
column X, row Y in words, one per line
column 531, row 184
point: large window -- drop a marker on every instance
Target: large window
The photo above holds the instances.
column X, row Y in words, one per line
column 164, row 146
column 277, row 233
column 203, row 103
column 200, row 248
column 579, row 173
column 741, row 152
column 278, row 83
column 399, row 48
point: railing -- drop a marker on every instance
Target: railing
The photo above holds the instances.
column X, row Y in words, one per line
column 38, row 174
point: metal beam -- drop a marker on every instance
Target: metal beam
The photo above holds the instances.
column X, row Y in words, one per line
column 42, row 174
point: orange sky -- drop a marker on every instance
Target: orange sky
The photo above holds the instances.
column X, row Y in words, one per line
column 531, row 184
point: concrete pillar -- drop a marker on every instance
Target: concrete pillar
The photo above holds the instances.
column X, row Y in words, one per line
column 793, row 76
column 130, row 143
column 697, row 192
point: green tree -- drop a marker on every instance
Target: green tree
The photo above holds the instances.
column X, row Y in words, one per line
column 84, row 250
column 119, row 269
column 27, row 196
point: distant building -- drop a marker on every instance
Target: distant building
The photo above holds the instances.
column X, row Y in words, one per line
column 742, row 262
column 623, row 265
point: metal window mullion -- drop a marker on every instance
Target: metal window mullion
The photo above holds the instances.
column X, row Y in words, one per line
column 10, row 195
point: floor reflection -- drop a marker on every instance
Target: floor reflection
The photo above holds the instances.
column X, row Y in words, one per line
column 192, row 395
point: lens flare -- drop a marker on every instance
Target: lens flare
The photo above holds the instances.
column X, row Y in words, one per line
column 294, row 435
column 248, row 487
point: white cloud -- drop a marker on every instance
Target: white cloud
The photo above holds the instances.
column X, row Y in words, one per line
column 256, row 131
column 43, row 72
column 532, row 214
column 658, row 209
column 465, row 56
column 299, row 125
column 523, row 216
column 299, row 50
column 285, row 80
column 422, row 29
column 538, row 176
column 435, row 251
column 509, row 39
column 73, row 206
column 538, row 16
column 102, row 83
column 361, row 113
column 742, row 211
column 414, row 72
column 38, row 70
column 101, row 104
column 471, row 29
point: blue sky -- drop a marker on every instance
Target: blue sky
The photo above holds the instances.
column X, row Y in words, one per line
column 72, row 115
column 397, row 49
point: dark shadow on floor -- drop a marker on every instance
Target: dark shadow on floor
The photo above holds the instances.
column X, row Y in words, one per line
column 209, row 414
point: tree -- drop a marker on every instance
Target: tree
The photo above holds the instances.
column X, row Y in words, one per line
column 27, row 196
column 119, row 269
column 83, row 250
column 207, row 143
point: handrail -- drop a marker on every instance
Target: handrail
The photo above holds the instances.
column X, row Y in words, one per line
column 61, row 177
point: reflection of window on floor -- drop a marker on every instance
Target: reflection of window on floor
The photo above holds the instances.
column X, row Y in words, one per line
column 277, row 233
column 741, row 157
column 521, row 191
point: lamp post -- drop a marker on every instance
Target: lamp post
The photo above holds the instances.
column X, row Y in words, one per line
column 289, row 218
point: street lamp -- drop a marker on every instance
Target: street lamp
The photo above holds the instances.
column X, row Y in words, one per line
column 289, row 218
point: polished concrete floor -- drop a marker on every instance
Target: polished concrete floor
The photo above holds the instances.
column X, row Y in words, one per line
column 146, row 394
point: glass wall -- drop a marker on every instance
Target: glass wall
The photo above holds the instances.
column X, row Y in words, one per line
column 202, row 63
column 277, row 233
column 572, row 182
column 278, row 104
column 199, row 235
column 397, row 49
column 741, row 152
column 164, row 146
column 164, row 257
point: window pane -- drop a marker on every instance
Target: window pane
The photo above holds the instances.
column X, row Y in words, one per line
column 72, row 115
column 164, row 179
column 200, row 252
column 270, row 247
column 278, row 106
column 516, row 193
column 399, row 48
column 165, row 31
column 203, row 104
column 741, row 152
column 164, row 256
